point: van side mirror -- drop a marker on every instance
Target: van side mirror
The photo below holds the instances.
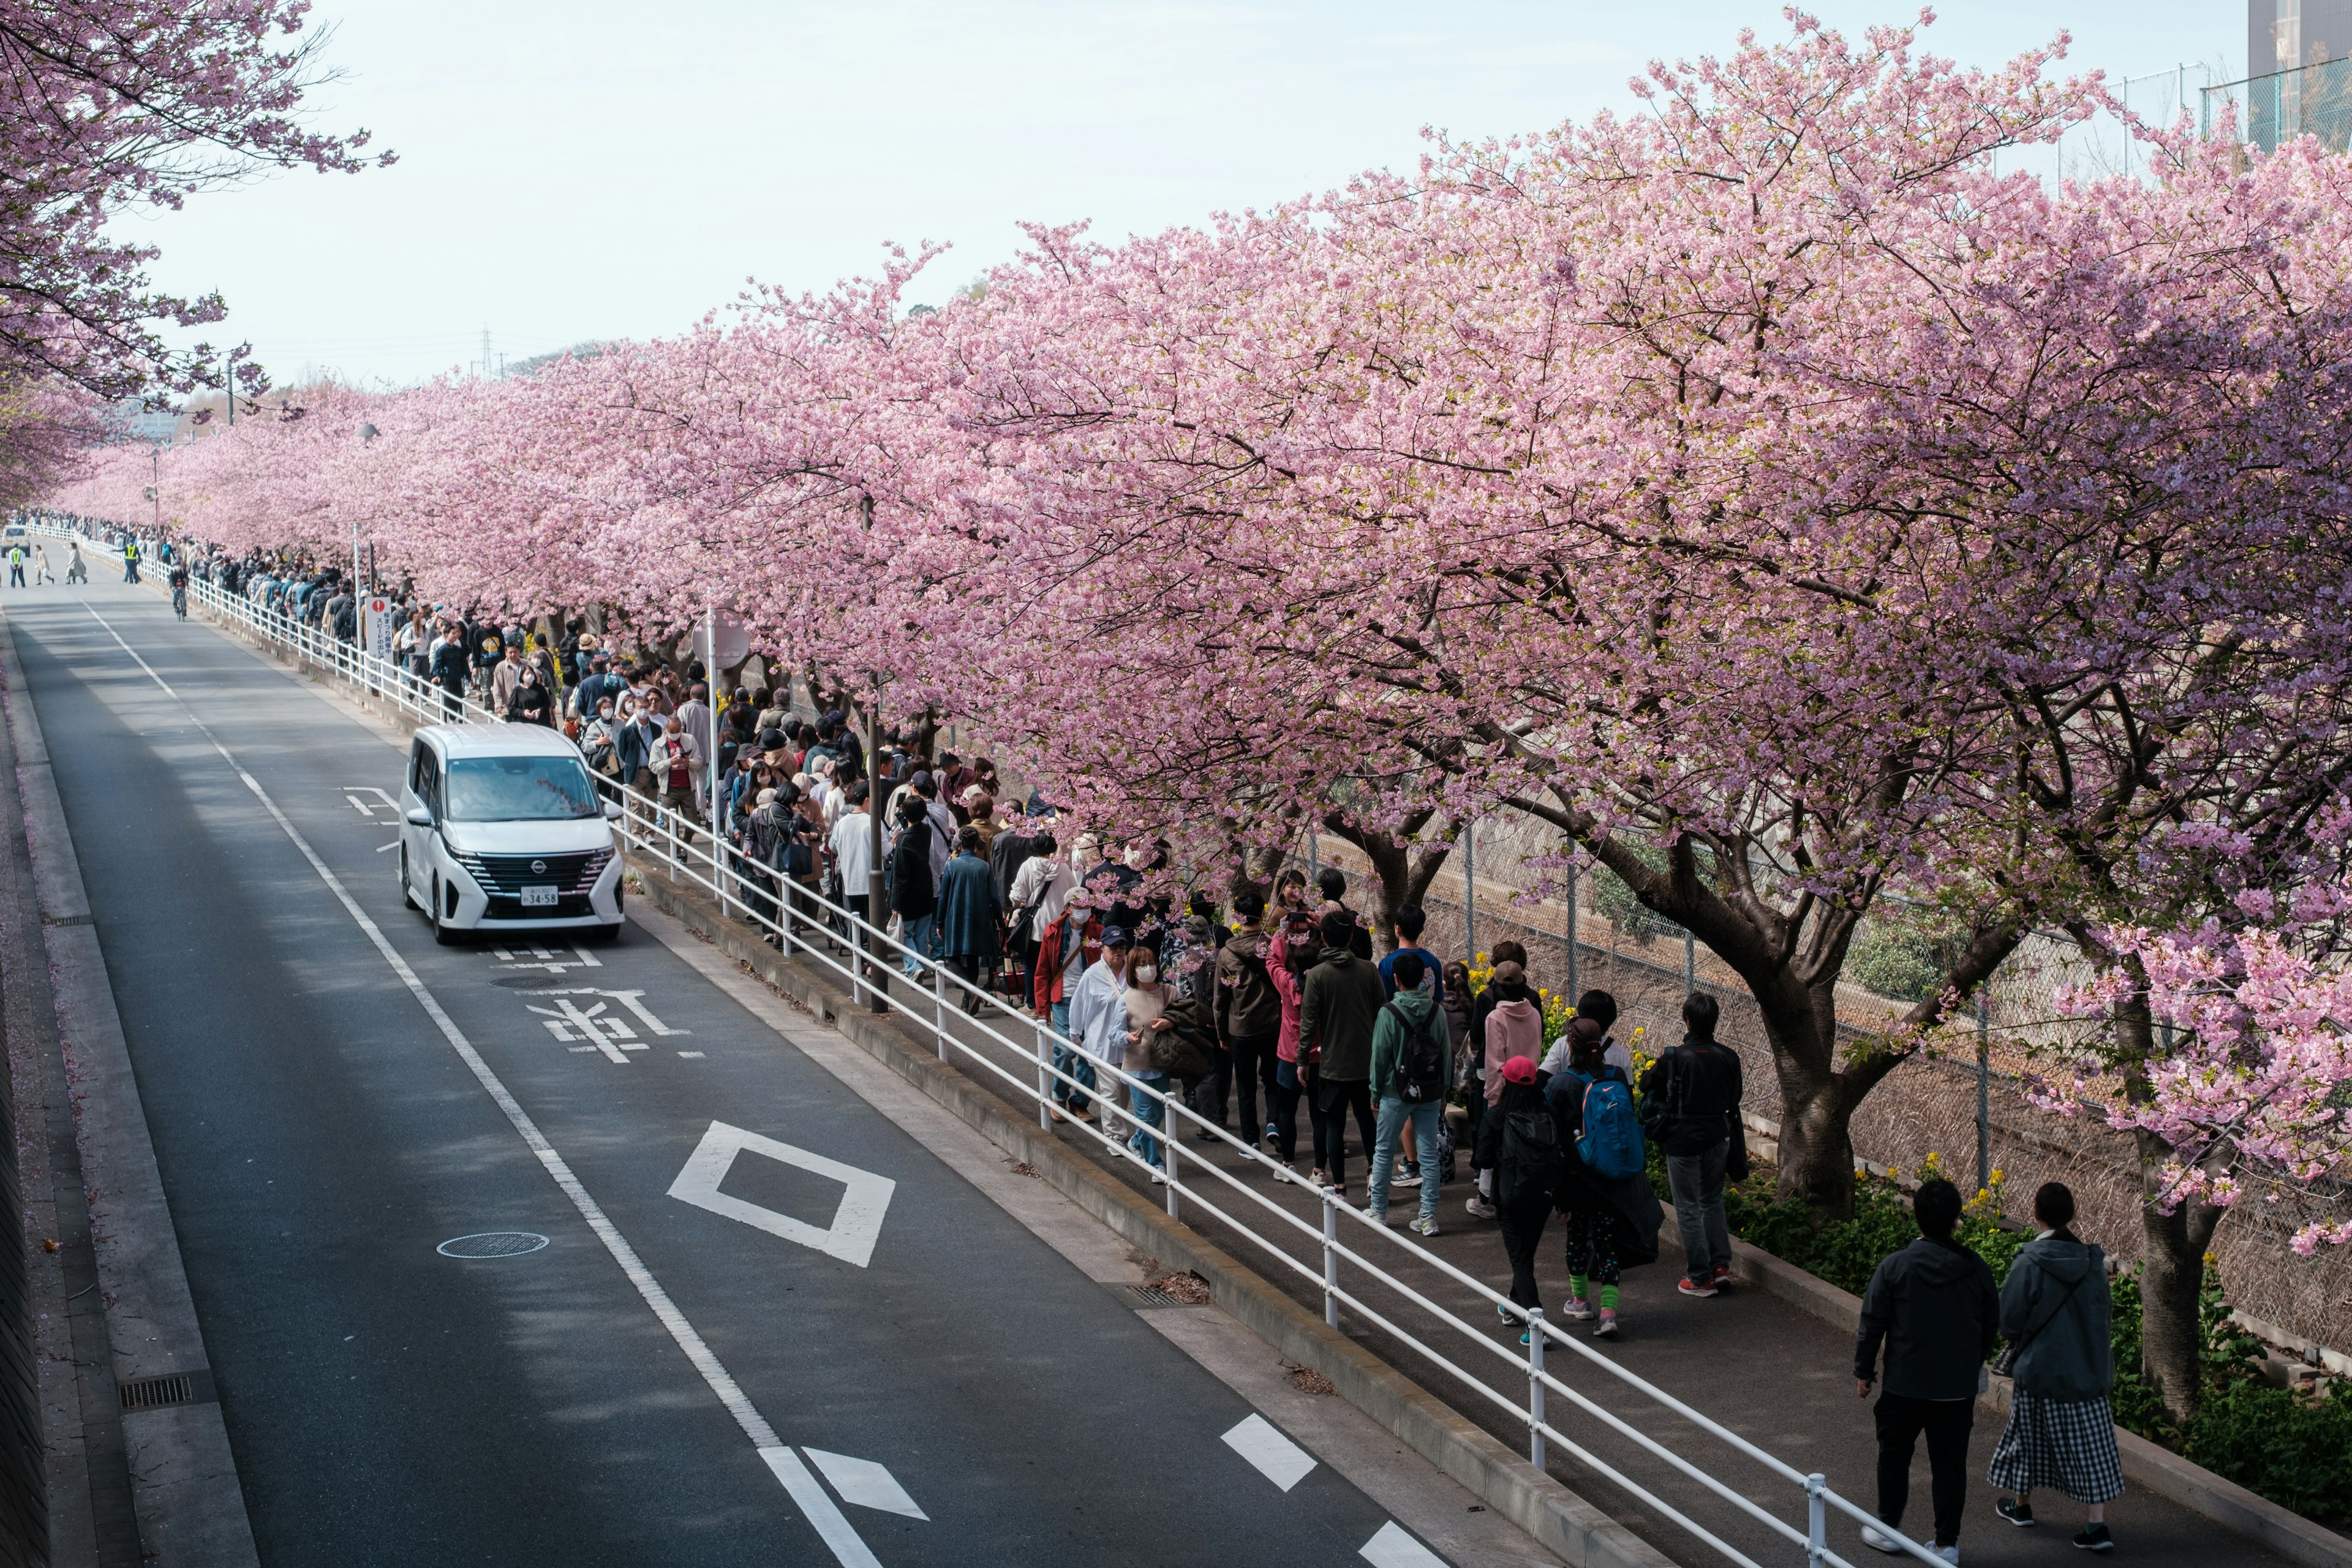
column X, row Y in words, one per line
column 419, row 817
column 612, row 812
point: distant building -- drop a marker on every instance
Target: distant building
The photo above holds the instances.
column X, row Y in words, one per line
column 2281, row 34
column 2299, row 72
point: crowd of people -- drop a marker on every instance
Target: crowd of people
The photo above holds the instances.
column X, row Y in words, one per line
column 1250, row 1012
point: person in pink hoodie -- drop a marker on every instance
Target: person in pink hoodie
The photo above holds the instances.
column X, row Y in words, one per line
column 1506, row 1022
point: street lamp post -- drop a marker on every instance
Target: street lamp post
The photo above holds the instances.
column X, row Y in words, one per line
column 359, row 610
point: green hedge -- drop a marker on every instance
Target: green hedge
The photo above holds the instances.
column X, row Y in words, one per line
column 2294, row 1448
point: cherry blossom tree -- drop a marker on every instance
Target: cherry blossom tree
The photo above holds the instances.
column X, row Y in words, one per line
column 104, row 103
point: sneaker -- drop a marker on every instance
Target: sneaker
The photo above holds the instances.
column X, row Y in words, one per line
column 1722, row 1280
column 1506, row 1312
column 1480, row 1208
column 1950, row 1553
column 1607, row 1327
column 1878, row 1540
column 1579, row 1309
column 2095, row 1537
column 1320, row 1177
column 2017, row 1514
column 1378, row 1216
column 1420, row 1227
column 1158, row 1177
column 1690, row 1287
column 1408, row 1177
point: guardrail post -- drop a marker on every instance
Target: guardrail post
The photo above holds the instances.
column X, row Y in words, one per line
column 1045, row 1075
column 939, row 1005
column 1330, row 1258
column 1535, row 1387
column 1817, row 1520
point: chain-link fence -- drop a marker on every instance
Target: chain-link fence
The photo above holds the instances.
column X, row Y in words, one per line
column 2313, row 100
column 1936, row 1102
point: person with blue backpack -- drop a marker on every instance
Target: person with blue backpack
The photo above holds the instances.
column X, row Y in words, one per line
column 1611, row 1215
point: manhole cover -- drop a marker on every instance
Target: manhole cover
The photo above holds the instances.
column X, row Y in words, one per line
column 492, row 1244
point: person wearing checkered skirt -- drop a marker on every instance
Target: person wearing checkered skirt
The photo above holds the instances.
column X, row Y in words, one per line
column 2054, row 1309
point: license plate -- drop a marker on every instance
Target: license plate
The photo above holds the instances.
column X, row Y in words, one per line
column 539, row 898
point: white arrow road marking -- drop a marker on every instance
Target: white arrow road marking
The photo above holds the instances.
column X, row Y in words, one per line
column 866, row 1483
column 1392, row 1548
column 857, row 1223
column 1275, row 1457
column 824, row 1514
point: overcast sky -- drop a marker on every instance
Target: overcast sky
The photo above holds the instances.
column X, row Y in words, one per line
column 589, row 168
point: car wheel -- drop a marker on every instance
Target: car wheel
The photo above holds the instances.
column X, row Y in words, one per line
column 444, row 935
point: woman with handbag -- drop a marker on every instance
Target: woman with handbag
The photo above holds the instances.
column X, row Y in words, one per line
column 2054, row 1310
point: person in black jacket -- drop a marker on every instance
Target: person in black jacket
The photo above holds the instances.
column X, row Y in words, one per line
column 912, row 895
column 1701, row 1082
column 1934, row 1309
column 1525, row 1189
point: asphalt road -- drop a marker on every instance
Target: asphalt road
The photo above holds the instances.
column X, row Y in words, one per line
column 320, row 1137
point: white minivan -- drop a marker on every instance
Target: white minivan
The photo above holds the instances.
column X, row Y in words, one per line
column 503, row 830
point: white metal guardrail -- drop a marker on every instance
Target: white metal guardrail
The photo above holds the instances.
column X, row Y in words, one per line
column 867, row 959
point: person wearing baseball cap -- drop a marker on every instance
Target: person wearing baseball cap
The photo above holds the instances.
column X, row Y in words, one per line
column 1516, row 1135
column 1099, row 1014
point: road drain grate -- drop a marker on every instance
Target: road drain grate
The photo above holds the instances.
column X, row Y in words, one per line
column 1152, row 1296
column 150, row 1392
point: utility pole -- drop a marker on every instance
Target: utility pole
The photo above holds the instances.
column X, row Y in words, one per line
column 485, row 352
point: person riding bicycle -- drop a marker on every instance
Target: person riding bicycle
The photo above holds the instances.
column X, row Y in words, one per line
column 180, row 589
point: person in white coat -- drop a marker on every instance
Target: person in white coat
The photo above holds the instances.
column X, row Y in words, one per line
column 1099, row 1014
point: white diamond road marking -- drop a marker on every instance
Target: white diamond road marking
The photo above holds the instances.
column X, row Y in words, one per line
column 1275, row 1457
column 866, row 1483
column 857, row 1223
column 1392, row 1548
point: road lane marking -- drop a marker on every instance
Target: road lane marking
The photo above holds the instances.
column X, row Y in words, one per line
column 831, row 1524
column 866, row 1483
column 857, row 1220
column 1393, row 1548
column 1274, row 1455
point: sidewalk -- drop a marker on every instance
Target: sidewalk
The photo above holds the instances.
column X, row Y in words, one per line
column 1779, row 1378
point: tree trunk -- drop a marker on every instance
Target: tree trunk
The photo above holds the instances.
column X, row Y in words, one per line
column 1401, row 869
column 2172, row 1274
column 1816, row 1162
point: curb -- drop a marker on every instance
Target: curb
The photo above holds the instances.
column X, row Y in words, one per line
column 184, row 1488
column 2146, row 1464
column 1555, row 1516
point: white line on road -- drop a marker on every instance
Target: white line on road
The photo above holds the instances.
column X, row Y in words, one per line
column 1393, row 1548
column 828, row 1519
column 1275, row 1457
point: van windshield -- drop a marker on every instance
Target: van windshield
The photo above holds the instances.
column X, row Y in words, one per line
column 519, row 789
